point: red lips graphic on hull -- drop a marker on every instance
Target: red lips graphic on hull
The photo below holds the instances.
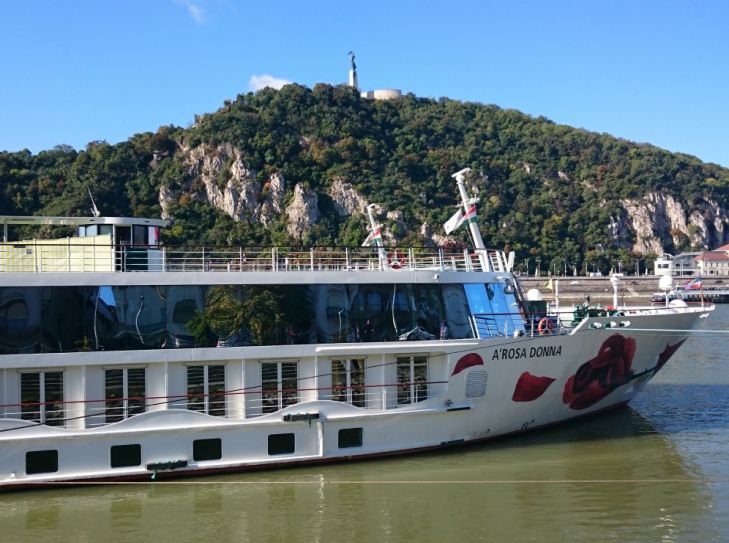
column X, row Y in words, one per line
column 466, row 361
column 530, row 387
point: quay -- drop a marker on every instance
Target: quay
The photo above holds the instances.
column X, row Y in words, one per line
column 633, row 289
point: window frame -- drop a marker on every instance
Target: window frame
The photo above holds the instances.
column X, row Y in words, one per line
column 276, row 398
column 208, row 406
column 416, row 391
column 40, row 412
column 352, row 389
column 129, row 405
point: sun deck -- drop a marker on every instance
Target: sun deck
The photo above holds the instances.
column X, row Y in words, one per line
column 98, row 254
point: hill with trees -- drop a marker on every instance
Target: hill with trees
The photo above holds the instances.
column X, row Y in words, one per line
column 284, row 166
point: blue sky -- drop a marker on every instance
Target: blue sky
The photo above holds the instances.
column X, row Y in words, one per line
column 644, row 70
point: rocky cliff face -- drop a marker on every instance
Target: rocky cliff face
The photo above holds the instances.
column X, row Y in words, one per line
column 302, row 212
column 220, row 177
column 227, row 184
column 655, row 223
column 347, row 201
column 659, row 223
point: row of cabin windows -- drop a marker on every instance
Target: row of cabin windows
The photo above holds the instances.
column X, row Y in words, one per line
column 125, row 388
column 41, row 393
column 203, row 450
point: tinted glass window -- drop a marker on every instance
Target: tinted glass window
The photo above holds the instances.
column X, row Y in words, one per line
column 41, row 462
column 123, row 456
column 281, row 444
column 207, row 449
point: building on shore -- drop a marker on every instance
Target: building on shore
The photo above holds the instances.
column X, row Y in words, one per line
column 712, row 263
column 680, row 264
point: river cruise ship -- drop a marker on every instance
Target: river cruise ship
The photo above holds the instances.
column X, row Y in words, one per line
column 124, row 359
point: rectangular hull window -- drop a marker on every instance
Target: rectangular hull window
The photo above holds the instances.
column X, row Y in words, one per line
column 207, row 449
column 123, row 456
column 281, row 444
column 350, row 437
column 41, row 462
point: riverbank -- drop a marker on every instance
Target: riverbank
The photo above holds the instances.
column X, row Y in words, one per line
column 633, row 289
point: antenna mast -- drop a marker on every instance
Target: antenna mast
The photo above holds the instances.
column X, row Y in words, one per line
column 469, row 208
column 376, row 235
column 94, row 210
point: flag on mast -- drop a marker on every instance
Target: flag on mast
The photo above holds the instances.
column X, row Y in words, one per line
column 695, row 284
column 454, row 222
column 459, row 218
column 373, row 237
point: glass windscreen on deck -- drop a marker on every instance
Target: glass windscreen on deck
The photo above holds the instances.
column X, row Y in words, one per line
column 66, row 319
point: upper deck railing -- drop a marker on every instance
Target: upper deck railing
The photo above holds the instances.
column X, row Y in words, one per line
column 42, row 256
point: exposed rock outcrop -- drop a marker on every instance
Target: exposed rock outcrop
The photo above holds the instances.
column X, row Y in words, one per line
column 272, row 198
column 347, row 201
column 430, row 239
column 659, row 222
column 302, row 212
column 228, row 184
column 219, row 175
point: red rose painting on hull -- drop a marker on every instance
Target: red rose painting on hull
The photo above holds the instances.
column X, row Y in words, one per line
column 599, row 376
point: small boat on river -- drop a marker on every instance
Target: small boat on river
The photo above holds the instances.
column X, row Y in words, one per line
column 124, row 359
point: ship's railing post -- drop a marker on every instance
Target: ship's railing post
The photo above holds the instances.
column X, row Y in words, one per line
column 164, row 258
column 346, row 258
column 440, row 258
column 311, row 256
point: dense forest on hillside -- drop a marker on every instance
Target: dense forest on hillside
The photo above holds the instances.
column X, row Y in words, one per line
column 547, row 191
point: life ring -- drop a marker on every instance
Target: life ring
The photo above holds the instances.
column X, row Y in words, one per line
column 395, row 262
column 545, row 327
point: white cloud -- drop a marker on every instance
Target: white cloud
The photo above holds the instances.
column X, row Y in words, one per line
column 193, row 9
column 259, row 82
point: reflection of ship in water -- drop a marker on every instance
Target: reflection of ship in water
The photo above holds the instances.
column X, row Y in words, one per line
column 609, row 478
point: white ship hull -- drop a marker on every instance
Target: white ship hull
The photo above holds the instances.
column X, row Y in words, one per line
column 505, row 385
column 136, row 362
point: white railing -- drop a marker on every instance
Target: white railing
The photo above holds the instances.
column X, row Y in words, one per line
column 38, row 257
column 229, row 404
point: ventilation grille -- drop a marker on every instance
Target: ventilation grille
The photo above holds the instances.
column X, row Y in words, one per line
column 476, row 384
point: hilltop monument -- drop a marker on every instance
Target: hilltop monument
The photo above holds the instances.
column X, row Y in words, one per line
column 377, row 94
column 352, row 71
